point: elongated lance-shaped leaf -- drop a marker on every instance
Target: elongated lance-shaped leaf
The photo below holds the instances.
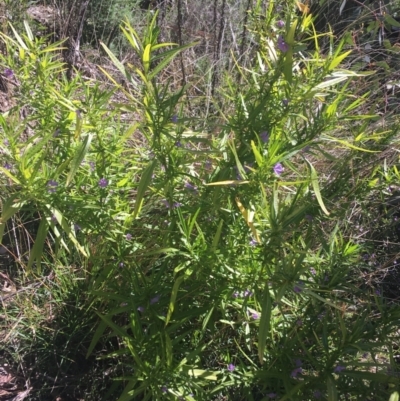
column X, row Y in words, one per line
column 37, row 249
column 79, row 156
column 167, row 58
column 172, row 301
column 96, row 337
column 394, row 396
column 10, row 207
column 143, row 184
column 146, row 58
column 116, row 62
column 331, row 387
column 265, row 323
column 67, row 229
column 314, row 182
column 217, row 236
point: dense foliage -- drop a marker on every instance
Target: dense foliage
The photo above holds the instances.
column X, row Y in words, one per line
column 237, row 253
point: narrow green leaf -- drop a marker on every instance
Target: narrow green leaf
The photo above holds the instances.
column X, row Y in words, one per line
column 79, row 156
column 172, row 301
column 67, row 229
column 143, row 184
column 146, row 58
column 167, row 58
column 314, row 182
column 217, row 236
column 332, row 391
column 96, row 337
column 168, row 349
column 19, row 39
column 257, row 154
column 337, row 60
column 37, row 249
column 265, row 320
column 115, row 61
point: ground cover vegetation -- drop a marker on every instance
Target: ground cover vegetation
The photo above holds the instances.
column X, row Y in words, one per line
column 199, row 201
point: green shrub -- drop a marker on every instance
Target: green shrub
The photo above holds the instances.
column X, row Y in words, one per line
column 220, row 263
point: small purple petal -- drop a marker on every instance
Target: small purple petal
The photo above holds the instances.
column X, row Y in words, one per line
column 313, row 271
column 264, row 136
column 282, row 45
column 174, row 119
column 255, row 315
column 280, row 24
column 164, row 389
column 128, row 236
column 154, row 300
column 52, row 186
column 231, row 367
column 339, row 368
column 253, row 242
column 9, row 73
column 247, row 293
column 121, row 265
column 141, row 309
column 178, row 144
column 278, row 169
column 296, row 372
column 235, row 294
column 285, row 102
column 190, row 187
column 7, row 166
column 103, row 182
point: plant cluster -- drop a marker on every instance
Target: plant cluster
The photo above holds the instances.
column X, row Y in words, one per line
column 199, row 265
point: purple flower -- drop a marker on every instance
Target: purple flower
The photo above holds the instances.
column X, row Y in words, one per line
column 280, row 24
column 77, row 227
column 282, row 45
column 298, row 288
column 178, row 144
column 264, row 136
column 231, row 367
column 54, row 219
column 128, row 236
column 121, row 265
column 255, row 315
column 377, row 292
column 103, row 182
column 339, row 368
column 52, row 186
column 235, row 294
column 247, row 293
column 285, row 102
column 190, row 187
column 317, row 394
column 278, row 169
column 92, row 166
column 271, row 395
column 313, row 271
column 253, row 242
column 164, row 389
column 168, row 205
column 9, row 73
column 154, row 300
column 7, row 166
column 141, row 309
column 295, row 372
column 174, row 119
